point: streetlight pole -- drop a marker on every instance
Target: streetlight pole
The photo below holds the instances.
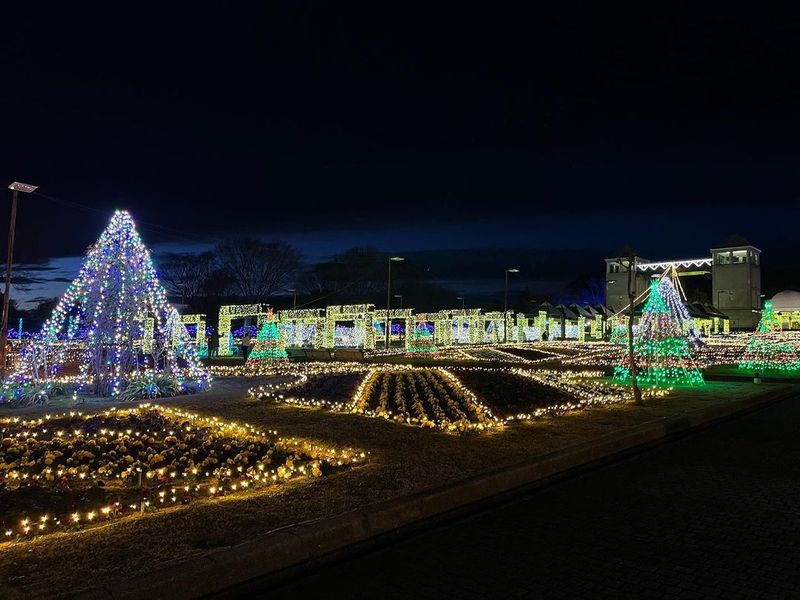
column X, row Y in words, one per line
column 462, row 301
column 505, row 304
column 401, row 300
column 12, row 226
column 294, row 303
column 389, row 296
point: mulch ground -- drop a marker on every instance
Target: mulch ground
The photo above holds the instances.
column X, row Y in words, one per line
column 508, row 394
column 403, row 459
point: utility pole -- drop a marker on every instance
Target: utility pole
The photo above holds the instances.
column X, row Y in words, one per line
column 12, row 226
column 505, row 304
column 389, row 296
column 637, row 393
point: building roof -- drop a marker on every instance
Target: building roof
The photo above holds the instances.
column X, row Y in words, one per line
column 581, row 312
column 786, row 301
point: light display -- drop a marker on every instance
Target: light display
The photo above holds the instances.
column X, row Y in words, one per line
column 117, row 310
column 619, row 331
column 678, row 311
column 421, row 339
column 140, row 460
column 769, row 348
column 269, row 344
column 358, row 335
column 437, row 398
column 200, row 332
column 303, row 328
column 404, row 315
column 227, row 341
column 659, row 348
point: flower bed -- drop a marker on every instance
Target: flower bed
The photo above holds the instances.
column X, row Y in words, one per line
column 432, row 398
column 427, row 397
column 510, row 394
column 66, row 472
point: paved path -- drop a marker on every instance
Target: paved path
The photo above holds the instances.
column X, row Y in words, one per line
column 712, row 515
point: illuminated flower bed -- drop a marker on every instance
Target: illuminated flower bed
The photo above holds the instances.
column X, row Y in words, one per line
column 432, row 398
column 66, row 472
column 527, row 394
column 427, row 397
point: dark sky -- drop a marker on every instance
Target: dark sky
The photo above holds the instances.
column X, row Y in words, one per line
column 666, row 126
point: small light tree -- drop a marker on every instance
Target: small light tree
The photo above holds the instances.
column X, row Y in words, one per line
column 769, row 349
column 421, row 340
column 269, row 344
column 660, row 352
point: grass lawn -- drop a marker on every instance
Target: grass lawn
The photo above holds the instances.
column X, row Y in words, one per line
column 768, row 375
column 402, row 460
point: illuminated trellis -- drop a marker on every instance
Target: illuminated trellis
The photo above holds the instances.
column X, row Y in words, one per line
column 495, row 325
column 116, row 312
column 361, row 335
column 199, row 320
column 303, row 328
column 227, row 314
column 466, row 326
column 399, row 314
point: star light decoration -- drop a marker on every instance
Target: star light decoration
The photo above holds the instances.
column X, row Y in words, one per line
column 116, row 315
column 660, row 350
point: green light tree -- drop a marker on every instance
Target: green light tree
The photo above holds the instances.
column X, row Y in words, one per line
column 269, row 344
column 660, row 350
column 421, row 341
column 769, row 349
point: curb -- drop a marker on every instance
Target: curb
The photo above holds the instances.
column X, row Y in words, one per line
column 294, row 545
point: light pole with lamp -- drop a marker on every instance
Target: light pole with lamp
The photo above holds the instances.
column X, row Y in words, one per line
column 462, row 301
column 389, row 296
column 294, row 293
column 505, row 303
column 401, row 300
column 12, row 226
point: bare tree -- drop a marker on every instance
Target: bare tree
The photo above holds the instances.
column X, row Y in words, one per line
column 258, row 269
column 630, row 263
column 186, row 275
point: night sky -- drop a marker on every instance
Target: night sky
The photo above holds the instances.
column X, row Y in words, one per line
column 407, row 127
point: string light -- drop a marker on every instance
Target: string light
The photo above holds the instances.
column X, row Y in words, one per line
column 116, row 318
column 769, row 348
column 660, row 349
column 146, row 458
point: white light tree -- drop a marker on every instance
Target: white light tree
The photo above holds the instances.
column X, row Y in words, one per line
column 116, row 321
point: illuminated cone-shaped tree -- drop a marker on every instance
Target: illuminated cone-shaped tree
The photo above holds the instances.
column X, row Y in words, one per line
column 422, row 340
column 115, row 321
column 659, row 348
column 269, row 344
column 769, row 348
column 678, row 311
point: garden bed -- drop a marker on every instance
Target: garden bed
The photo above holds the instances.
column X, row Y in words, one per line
column 427, row 397
column 74, row 470
column 509, row 394
column 403, row 460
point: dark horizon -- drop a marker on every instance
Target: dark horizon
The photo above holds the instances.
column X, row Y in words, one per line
column 434, row 130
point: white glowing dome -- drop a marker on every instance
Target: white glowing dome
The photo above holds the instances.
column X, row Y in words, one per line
column 786, row 301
